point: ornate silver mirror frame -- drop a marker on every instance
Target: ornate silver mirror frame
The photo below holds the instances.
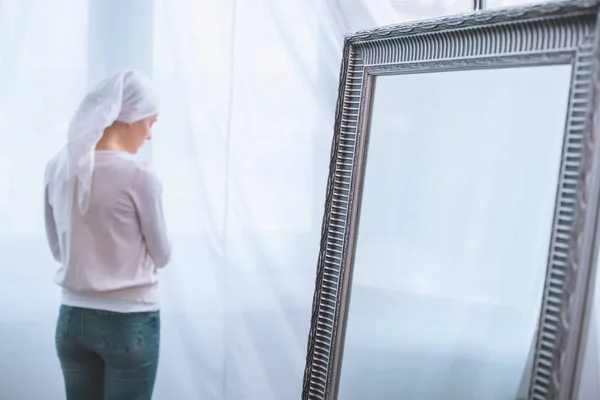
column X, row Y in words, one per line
column 558, row 32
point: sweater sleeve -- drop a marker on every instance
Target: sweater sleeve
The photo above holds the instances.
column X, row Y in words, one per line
column 51, row 232
column 147, row 197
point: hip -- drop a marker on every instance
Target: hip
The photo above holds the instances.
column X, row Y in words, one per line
column 122, row 338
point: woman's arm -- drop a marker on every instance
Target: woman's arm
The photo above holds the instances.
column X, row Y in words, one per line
column 51, row 232
column 146, row 195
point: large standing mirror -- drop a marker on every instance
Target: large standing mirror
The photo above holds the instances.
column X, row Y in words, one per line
column 459, row 236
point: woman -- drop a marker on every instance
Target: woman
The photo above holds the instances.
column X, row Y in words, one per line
column 105, row 226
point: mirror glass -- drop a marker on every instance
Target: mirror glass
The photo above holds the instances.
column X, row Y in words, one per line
column 455, row 227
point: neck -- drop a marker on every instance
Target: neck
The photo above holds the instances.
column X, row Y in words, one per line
column 109, row 146
column 110, row 140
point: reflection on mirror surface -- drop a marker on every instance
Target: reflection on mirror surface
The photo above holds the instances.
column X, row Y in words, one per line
column 455, row 226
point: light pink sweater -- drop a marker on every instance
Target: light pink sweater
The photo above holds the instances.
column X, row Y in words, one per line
column 109, row 258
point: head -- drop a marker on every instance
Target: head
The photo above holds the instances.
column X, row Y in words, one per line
column 137, row 113
column 115, row 115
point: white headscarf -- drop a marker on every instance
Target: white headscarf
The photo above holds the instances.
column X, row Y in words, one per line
column 127, row 97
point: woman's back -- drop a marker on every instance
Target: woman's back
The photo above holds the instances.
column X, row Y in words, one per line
column 115, row 248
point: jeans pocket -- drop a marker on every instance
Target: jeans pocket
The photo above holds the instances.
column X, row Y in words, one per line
column 62, row 325
column 129, row 336
column 149, row 330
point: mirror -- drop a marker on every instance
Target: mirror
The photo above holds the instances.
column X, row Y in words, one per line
column 455, row 225
column 460, row 240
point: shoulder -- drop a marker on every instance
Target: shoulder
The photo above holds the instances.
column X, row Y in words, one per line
column 126, row 167
column 145, row 177
column 52, row 163
column 145, row 171
column 53, row 166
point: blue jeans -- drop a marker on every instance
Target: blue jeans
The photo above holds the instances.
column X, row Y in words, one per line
column 107, row 355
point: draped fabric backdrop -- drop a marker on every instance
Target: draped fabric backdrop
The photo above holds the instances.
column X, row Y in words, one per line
column 248, row 92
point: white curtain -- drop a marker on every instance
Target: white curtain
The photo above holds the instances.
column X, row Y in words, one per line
column 43, row 69
column 248, row 94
